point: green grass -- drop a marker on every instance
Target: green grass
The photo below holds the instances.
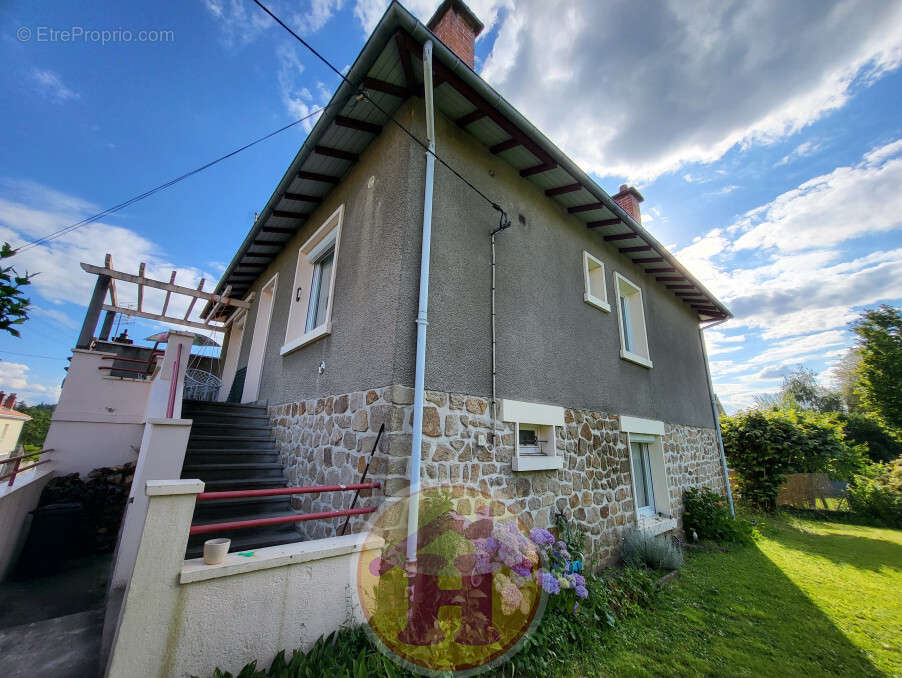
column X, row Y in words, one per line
column 808, row 599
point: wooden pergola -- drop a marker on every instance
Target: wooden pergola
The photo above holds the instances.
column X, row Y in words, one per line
column 106, row 285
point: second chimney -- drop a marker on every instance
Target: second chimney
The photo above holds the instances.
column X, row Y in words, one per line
column 455, row 25
column 10, row 401
column 629, row 198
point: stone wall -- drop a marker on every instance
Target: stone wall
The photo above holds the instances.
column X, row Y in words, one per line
column 327, row 441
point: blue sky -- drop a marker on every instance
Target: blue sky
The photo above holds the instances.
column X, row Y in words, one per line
column 765, row 138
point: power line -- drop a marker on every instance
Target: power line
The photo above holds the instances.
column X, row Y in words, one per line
column 33, row 355
column 141, row 196
column 382, row 110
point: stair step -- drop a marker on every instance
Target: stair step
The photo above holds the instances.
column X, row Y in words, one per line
column 218, row 406
column 202, row 418
column 201, row 427
column 237, row 472
column 200, row 468
column 233, row 442
column 204, row 437
column 221, row 485
column 249, row 456
column 218, row 510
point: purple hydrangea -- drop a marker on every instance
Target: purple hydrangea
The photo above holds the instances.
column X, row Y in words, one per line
column 550, row 584
column 523, row 569
column 578, row 580
column 541, row 537
column 581, row 592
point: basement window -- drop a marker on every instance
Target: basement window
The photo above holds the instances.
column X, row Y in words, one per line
column 535, row 434
column 631, row 314
column 596, row 293
column 310, row 312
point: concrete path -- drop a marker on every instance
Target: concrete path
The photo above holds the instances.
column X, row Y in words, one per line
column 62, row 647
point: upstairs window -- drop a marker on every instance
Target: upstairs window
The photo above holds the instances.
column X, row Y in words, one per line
column 631, row 313
column 596, row 293
column 310, row 313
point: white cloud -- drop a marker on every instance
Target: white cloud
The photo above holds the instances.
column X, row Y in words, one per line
column 681, row 82
column 51, row 86
column 803, row 150
column 847, row 203
column 14, row 378
column 28, row 211
column 243, row 22
column 297, row 98
column 368, row 12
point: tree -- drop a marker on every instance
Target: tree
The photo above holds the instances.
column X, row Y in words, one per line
column 880, row 370
column 846, row 373
column 35, row 431
column 800, row 391
column 13, row 304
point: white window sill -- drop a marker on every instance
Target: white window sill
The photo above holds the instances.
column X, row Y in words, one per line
column 596, row 302
column 538, row 462
column 635, row 358
column 654, row 525
column 306, row 338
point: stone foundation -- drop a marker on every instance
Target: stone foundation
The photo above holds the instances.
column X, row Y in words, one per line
column 327, row 441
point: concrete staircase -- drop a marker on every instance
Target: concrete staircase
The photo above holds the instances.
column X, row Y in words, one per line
column 231, row 447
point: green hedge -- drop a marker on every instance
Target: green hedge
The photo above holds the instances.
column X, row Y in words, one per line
column 763, row 446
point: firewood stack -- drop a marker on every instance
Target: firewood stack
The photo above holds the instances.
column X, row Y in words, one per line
column 103, row 497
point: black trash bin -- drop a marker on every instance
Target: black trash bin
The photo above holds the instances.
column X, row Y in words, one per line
column 53, row 537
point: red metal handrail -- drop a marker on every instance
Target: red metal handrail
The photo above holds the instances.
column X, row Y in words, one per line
column 259, row 522
column 17, row 465
column 310, row 489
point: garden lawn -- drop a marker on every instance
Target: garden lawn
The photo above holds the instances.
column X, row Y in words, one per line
column 809, row 599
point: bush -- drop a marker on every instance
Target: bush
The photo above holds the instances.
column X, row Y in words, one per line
column 876, row 493
column 879, row 443
column 764, row 446
column 659, row 553
column 707, row 515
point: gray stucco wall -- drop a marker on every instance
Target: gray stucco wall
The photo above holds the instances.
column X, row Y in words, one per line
column 552, row 347
column 360, row 352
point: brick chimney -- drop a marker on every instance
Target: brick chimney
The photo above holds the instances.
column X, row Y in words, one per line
column 10, row 401
column 629, row 199
column 2, row 396
column 455, row 25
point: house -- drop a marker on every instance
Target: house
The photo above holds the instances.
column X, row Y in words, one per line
column 565, row 368
column 11, row 423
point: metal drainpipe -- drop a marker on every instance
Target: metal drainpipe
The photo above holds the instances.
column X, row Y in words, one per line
column 419, row 387
column 723, row 456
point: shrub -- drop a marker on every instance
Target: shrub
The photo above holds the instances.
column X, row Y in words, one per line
column 659, row 553
column 879, row 443
column 764, row 446
column 706, row 513
column 876, row 493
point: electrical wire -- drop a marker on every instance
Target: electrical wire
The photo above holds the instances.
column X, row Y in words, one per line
column 33, row 355
column 141, row 196
column 382, row 110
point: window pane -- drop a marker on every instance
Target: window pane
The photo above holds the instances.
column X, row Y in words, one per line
column 320, row 290
column 625, row 323
column 325, row 291
column 640, row 478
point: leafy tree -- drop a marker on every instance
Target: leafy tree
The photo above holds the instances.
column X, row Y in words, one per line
column 13, row 304
column 863, row 429
column 800, row 391
column 763, row 446
column 846, row 372
column 880, row 371
column 34, row 432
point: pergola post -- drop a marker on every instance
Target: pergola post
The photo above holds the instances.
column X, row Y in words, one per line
column 107, row 327
column 93, row 313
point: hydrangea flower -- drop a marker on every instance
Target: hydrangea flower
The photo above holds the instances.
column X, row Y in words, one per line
column 550, row 584
column 541, row 537
column 581, row 592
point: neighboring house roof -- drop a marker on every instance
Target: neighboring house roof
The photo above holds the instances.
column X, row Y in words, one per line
column 386, row 69
column 7, row 413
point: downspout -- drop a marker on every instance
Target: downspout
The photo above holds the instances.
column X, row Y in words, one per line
column 723, row 456
column 413, row 511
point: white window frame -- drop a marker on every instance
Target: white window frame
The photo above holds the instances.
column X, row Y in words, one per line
column 591, row 296
column 545, row 419
column 326, row 237
column 651, row 433
column 635, row 332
